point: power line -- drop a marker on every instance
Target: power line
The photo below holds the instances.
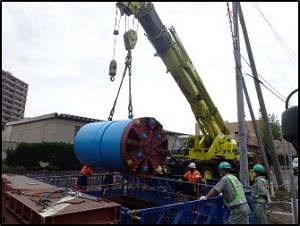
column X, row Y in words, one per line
column 275, row 66
column 278, row 95
column 291, row 55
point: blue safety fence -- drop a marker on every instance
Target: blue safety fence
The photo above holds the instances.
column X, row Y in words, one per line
column 167, row 190
column 173, row 207
column 171, row 210
column 126, row 217
column 68, row 179
column 60, row 180
column 158, row 190
column 194, row 212
column 211, row 211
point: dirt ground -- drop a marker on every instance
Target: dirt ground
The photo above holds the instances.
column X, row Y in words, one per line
column 280, row 212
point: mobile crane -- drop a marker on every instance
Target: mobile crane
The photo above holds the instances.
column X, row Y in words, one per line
column 214, row 145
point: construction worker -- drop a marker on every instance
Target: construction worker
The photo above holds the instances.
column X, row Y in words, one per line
column 233, row 195
column 259, row 195
column 82, row 178
column 192, row 175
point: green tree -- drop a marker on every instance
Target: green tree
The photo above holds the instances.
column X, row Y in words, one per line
column 275, row 129
column 61, row 156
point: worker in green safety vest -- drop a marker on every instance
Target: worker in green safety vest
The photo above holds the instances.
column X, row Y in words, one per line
column 259, row 195
column 233, row 195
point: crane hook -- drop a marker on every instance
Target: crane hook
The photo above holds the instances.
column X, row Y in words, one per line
column 112, row 69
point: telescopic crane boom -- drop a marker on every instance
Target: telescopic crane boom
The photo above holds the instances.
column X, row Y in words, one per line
column 214, row 145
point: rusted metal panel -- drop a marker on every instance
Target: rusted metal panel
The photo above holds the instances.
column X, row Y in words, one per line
column 34, row 202
column 133, row 202
column 18, row 182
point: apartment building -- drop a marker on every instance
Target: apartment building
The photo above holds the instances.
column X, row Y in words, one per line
column 14, row 96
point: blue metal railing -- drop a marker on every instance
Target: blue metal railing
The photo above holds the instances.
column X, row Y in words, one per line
column 169, row 209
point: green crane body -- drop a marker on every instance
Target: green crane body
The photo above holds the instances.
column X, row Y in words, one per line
column 214, row 146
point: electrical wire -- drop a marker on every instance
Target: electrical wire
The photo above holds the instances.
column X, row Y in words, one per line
column 291, row 55
column 272, row 89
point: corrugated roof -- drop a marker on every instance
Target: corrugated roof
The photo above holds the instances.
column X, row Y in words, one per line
column 67, row 117
column 53, row 116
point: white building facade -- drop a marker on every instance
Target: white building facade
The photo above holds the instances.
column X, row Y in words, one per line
column 51, row 127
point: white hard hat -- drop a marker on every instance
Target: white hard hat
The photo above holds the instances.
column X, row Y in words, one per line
column 192, row 165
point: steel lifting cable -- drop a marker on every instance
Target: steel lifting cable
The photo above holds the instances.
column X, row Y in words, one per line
column 113, row 63
column 127, row 66
column 130, row 39
column 130, row 109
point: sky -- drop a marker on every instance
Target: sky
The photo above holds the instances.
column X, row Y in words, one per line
column 62, row 50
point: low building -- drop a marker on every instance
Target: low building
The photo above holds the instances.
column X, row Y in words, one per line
column 53, row 127
column 280, row 146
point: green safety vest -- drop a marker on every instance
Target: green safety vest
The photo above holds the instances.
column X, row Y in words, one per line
column 256, row 196
column 240, row 197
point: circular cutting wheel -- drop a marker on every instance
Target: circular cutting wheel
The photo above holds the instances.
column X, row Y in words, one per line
column 144, row 146
column 134, row 146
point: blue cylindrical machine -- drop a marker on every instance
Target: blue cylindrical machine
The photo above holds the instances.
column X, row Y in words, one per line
column 136, row 146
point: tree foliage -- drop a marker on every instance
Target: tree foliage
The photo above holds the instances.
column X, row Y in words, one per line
column 275, row 129
column 60, row 156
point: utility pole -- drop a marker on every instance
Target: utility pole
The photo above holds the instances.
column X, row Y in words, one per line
column 258, row 136
column 242, row 147
column 269, row 134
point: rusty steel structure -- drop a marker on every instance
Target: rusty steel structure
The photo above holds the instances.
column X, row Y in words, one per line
column 29, row 201
column 52, row 198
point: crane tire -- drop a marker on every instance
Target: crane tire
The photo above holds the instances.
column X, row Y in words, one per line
column 207, row 172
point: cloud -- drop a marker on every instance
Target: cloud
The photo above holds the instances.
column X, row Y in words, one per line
column 63, row 50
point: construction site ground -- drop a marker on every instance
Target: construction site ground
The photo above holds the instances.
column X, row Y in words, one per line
column 280, row 208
